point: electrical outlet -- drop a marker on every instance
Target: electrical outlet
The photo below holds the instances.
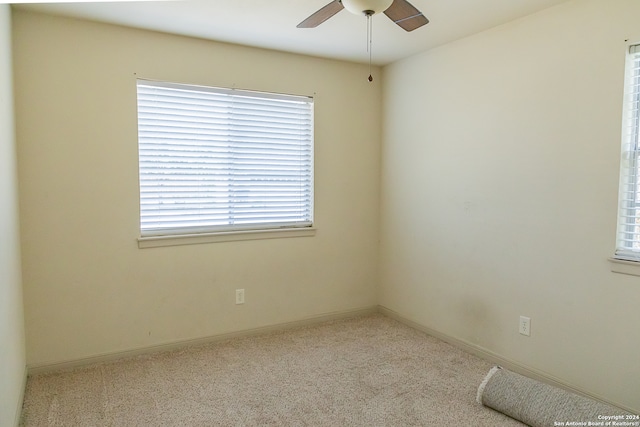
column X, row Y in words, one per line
column 525, row 326
column 239, row 296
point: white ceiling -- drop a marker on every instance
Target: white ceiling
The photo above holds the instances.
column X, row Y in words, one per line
column 272, row 23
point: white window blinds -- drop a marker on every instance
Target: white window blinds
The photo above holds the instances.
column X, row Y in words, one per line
column 628, row 235
column 216, row 159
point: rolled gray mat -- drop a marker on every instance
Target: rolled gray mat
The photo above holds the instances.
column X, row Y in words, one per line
column 541, row 405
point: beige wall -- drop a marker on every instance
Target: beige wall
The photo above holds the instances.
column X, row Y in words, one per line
column 88, row 289
column 12, row 346
column 499, row 194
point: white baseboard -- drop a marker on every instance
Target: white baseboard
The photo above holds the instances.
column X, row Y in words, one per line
column 42, row 368
column 18, row 417
column 312, row 320
column 492, row 357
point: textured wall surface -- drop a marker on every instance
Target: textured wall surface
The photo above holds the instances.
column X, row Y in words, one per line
column 12, row 342
column 499, row 194
column 89, row 289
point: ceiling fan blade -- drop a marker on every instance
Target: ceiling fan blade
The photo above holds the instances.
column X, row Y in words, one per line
column 322, row 15
column 406, row 15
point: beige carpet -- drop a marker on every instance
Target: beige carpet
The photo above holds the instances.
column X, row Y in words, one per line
column 366, row 371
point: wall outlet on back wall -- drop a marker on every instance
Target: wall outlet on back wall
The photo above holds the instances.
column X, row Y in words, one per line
column 525, row 326
column 239, row 296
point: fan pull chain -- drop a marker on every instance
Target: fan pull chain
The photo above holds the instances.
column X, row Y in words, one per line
column 369, row 41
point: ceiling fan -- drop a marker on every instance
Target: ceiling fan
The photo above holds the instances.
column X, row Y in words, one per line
column 403, row 13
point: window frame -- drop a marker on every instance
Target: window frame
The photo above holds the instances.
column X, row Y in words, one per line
column 260, row 228
column 626, row 258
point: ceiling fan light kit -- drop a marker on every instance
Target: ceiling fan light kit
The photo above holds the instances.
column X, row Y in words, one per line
column 401, row 12
column 367, row 7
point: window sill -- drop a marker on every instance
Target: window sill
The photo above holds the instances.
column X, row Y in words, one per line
column 228, row 236
column 625, row 267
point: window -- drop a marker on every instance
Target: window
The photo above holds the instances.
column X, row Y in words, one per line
column 628, row 234
column 218, row 160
